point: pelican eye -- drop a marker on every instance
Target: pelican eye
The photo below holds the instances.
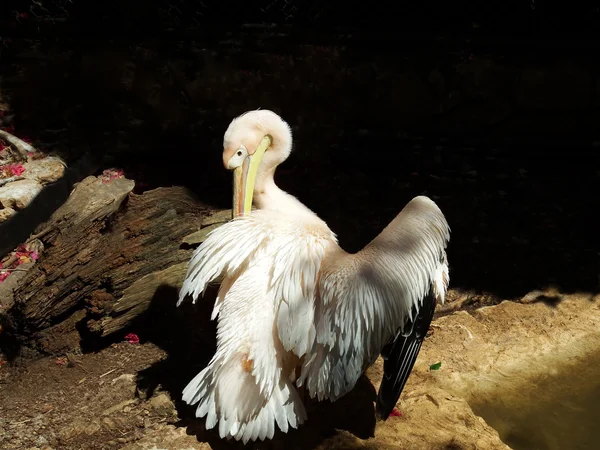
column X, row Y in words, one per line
column 238, row 157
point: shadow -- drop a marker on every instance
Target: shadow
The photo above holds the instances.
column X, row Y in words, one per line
column 189, row 339
column 185, row 333
column 519, row 221
column 515, row 225
column 353, row 413
column 10, row 346
column 549, row 300
column 518, row 408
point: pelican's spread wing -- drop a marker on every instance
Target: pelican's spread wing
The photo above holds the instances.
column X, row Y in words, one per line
column 271, row 262
column 363, row 299
column 269, row 265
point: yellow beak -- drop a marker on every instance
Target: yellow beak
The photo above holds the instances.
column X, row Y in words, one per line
column 244, row 179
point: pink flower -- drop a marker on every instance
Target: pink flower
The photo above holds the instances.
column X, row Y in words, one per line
column 132, row 338
column 111, row 174
column 17, row 169
column 13, row 170
column 25, row 256
column 395, row 413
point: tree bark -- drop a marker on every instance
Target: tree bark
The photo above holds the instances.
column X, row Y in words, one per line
column 105, row 253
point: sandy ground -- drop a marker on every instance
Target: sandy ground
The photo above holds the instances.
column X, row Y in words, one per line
column 110, row 399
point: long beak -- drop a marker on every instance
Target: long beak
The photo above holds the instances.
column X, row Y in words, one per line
column 244, row 179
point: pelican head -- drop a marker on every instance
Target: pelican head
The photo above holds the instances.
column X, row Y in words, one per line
column 254, row 144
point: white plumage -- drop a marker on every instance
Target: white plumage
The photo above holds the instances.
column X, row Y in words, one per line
column 292, row 302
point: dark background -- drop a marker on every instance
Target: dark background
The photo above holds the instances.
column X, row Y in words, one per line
column 529, row 19
column 491, row 108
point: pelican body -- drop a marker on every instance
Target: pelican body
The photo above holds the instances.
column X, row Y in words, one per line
column 294, row 309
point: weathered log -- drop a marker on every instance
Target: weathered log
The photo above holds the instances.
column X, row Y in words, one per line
column 106, row 252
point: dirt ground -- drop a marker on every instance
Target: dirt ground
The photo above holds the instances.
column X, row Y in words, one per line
column 67, row 403
column 110, row 399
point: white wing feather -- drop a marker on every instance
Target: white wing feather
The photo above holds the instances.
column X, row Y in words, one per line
column 266, row 310
column 363, row 299
column 225, row 250
column 294, row 280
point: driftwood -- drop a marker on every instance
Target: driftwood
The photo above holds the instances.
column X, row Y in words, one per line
column 105, row 253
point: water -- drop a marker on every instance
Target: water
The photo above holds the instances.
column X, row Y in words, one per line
column 561, row 411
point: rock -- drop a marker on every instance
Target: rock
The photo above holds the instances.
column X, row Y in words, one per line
column 120, row 407
column 41, row 440
column 18, row 194
column 108, row 424
column 127, row 378
column 125, row 386
column 78, row 427
column 45, row 171
column 6, row 213
column 161, row 404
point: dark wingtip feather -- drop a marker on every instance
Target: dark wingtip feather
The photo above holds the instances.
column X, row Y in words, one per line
column 382, row 411
column 399, row 355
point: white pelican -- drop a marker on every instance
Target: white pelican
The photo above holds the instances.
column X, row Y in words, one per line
column 294, row 309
